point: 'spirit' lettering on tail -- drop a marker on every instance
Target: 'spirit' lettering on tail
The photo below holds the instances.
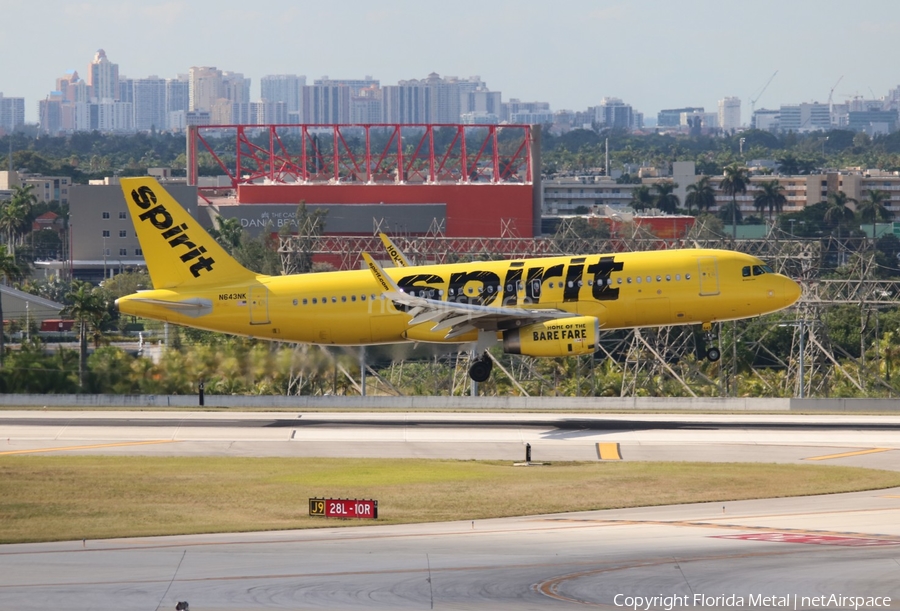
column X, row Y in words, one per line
column 159, row 217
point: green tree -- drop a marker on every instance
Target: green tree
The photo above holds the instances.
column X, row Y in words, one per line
column 838, row 209
column 641, row 198
column 735, row 181
column 770, row 196
column 86, row 306
column 665, row 199
column 9, row 271
column 872, row 209
column 700, row 195
column 16, row 214
column 227, row 233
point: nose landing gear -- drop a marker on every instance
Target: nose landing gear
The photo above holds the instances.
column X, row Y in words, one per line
column 712, row 353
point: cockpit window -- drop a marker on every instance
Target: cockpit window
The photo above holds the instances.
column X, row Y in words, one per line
column 745, row 271
column 759, row 270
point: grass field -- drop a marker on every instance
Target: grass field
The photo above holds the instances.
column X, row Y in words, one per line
column 46, row 498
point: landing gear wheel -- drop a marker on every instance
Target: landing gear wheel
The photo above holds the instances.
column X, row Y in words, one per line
column 713, row 354
column 480, row 370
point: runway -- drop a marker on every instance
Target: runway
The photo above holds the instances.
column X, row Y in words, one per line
column 775, row 553
column 866, row 441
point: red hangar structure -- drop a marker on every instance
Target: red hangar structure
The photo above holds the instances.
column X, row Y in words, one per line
column 449, row 180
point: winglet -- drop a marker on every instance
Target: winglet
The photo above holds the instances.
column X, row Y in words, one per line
column 393, row 252
column 386, row 283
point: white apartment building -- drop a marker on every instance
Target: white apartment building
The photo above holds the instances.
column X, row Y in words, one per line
column 730, row 113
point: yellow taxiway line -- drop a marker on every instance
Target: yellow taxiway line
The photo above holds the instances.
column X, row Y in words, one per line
column 91, row 447
column 845, row 454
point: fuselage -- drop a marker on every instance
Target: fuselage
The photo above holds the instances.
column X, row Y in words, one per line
column 639, row 289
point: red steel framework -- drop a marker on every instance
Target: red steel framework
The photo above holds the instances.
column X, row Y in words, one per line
column 363, row 153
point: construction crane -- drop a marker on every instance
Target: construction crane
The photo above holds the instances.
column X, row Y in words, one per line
column 759, row 95
column 831, row 93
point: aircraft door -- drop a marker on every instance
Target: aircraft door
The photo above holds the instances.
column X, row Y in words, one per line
column 709, row 276
column 258, row 300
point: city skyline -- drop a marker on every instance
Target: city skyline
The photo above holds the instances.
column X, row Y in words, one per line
column 652, row 57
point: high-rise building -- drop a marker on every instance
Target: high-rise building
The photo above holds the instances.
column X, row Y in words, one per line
column 614, row 113
column 671, row 117
column 730, row 114
column 514, row 106
column 235, row 88
column 150, row 104
column 178, row 102
column 103, row 78
column 12, row 113
column 324, row 104
column 366, row 106
column 355, row 85
column 407, row 102
column 205, row 87
column 283, row 88
column 805, row 117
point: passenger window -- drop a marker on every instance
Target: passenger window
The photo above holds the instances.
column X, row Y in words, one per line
column 677, row 277
column 687, row 276
column 334, row 300
column 304, row 301
column 668, row 278
column 363, row 297
column 314, row 300
column 344, row 298
column 745, row 271
column 659, row 278
column 649, row 279
column 628, row 280
column 638, row 279
column 619, row 280
column 352, row 297
column 295, row 302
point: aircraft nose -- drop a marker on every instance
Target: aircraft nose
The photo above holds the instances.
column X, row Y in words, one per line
column 792, row 292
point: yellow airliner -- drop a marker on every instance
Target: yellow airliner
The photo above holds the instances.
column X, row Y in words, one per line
column 554, row 306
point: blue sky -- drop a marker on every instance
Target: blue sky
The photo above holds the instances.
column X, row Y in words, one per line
column 571, row 53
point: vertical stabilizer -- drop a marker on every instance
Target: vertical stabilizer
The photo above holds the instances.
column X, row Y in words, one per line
column 178, row 251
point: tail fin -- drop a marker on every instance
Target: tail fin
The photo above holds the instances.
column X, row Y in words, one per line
column 177, row 250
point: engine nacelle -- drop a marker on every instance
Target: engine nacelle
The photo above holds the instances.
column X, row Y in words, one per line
column 561, row 337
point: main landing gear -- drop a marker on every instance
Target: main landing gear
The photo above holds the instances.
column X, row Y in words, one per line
column 480, row 370
column 712, row 353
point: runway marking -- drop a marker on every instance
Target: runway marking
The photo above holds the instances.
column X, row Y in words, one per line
column 782, row 537
column 551, row 587
column 608, row 451
column 845, row 454
column 90, row 447
column 757, row 529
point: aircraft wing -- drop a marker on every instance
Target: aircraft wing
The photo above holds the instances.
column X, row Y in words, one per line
column 458, row 318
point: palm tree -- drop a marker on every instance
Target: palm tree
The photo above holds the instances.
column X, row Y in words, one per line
column 872, row 208
column 838, row 212
column 700, row 195
column 15, row 216
column 665, row 199
column 771, row 196
column 838, row 209
column 641, row 198
column 735, row 181
column 87, row 308
column 8, row 271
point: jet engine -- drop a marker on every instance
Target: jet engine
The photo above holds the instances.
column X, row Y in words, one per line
column 560, row 337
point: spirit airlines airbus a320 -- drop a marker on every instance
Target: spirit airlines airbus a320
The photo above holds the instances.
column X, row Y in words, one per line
column 545, row 307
